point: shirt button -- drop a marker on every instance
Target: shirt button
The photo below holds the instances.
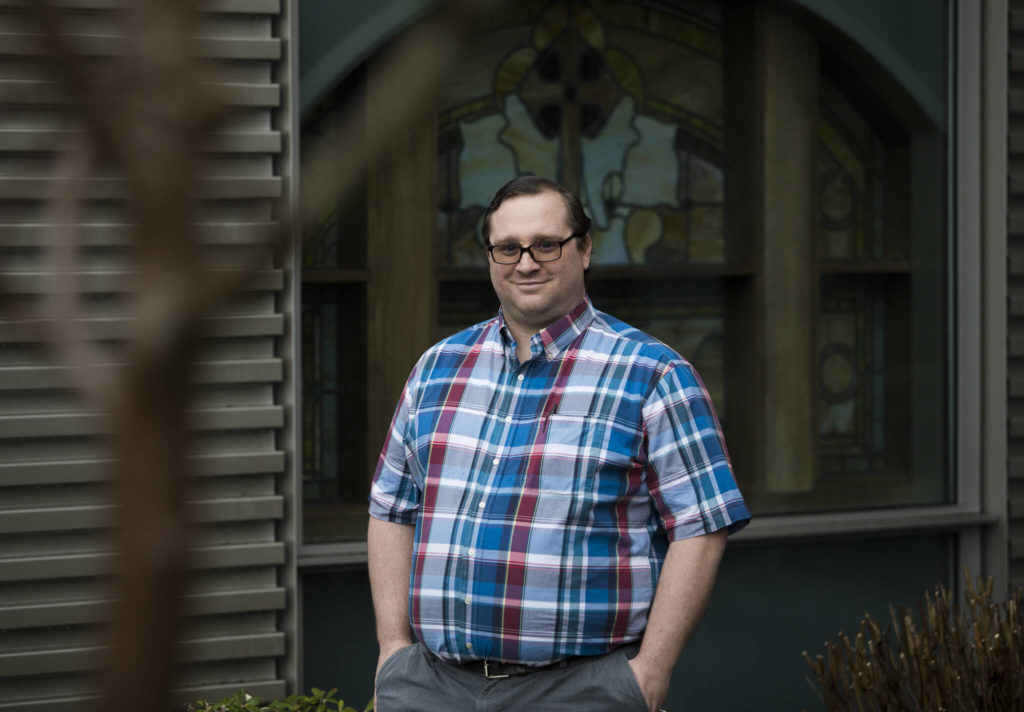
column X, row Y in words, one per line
column 508, row 419
column 495, row 461
column 469, row 646
column 520, row 376
column 481, row 504
column 471, row 552
column 467, row 599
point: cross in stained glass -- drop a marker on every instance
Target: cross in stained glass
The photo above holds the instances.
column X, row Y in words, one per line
column 570, row 93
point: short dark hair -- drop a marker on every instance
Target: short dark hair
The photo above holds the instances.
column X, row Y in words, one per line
column 579, row 223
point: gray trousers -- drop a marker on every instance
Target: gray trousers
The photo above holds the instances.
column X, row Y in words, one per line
column 415, row 680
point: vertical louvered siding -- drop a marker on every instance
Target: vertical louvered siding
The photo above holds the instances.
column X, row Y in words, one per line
column 55, row 505
column 1015, row 283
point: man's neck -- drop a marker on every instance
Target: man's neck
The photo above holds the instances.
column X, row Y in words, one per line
column 522, row 333
column 523, row 352
column 522, row 338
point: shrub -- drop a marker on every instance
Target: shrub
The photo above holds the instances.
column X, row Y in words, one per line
column 316, row 701
column 949, row 659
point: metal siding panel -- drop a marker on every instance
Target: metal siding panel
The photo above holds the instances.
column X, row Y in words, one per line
column 101, row 516
column 82, row 612
column 236, row 188
column 23, row 378
column 58, row 472
column 99, row 563
column 108, row 235
column 53, row 462
column 233, row 94
column 28, row 45
column 48, row 141
column 55, row 661
column 82, row 424
column 112, row 328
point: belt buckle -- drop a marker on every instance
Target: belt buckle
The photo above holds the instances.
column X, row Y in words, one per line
column 495, row 676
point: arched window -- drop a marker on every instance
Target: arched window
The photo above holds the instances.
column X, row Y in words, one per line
column 767, row 199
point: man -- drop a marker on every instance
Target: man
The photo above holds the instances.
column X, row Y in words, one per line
column 552, row 500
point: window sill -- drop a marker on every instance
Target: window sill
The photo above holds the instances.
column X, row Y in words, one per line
column 342, row 553
column 831, row 525
column 764, row 529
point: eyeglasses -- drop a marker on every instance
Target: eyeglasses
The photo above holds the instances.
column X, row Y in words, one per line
column 541, row 251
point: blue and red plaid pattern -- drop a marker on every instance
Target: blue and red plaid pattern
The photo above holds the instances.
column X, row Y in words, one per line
column 545, row 493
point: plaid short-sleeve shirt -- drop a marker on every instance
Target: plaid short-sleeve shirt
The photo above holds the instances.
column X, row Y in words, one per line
column 545, row 493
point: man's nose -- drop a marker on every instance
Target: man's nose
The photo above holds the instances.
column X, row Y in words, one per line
column 526, row 262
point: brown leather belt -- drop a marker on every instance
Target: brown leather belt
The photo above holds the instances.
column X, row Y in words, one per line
column 494, row 670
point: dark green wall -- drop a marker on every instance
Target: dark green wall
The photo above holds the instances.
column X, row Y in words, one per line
column 770, row 604
column 335, row 36
column 909, row 38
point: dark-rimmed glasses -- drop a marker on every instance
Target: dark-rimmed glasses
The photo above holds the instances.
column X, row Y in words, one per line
column 540, row 251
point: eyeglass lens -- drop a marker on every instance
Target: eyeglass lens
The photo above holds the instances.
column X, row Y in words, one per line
column 543, row 251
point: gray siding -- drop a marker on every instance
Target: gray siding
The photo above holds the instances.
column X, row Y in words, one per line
column 55, row 502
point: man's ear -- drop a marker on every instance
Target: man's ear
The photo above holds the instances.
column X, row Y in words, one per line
column 585, row 247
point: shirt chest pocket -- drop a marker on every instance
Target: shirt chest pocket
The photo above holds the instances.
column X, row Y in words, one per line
column 577, row 450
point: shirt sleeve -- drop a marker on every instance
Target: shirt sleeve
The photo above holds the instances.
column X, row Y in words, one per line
column 395, row 492
column 689, row 476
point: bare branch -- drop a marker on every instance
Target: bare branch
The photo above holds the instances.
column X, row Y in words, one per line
column 66, row 63
column 63, row 309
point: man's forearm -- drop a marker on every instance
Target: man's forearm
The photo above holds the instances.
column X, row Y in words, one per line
column 389, row 553
column 684, row 589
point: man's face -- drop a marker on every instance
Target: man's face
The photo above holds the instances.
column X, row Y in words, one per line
column 533, row 294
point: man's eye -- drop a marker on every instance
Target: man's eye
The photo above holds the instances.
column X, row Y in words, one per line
column 545, row 245
column 507, row 249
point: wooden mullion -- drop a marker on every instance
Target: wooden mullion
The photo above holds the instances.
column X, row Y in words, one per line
column 790, row 281
column 743, row 339
column 772, row 124
column 402, row 285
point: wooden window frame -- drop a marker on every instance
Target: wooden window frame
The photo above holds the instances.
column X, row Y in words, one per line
column 974, row 511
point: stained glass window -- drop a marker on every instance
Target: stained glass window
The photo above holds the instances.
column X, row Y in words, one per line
column 320, row 320
column 334, row 462
column 863, row 326
column 852, row 368
column 625, row 103
column 589, row 94
column 852, row 169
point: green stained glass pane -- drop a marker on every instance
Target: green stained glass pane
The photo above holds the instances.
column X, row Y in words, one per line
column 320, row 394
column 851, row 176
column 852, row 376
column 334, row 482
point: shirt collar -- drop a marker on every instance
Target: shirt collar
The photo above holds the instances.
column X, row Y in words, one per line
column 559, row 336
